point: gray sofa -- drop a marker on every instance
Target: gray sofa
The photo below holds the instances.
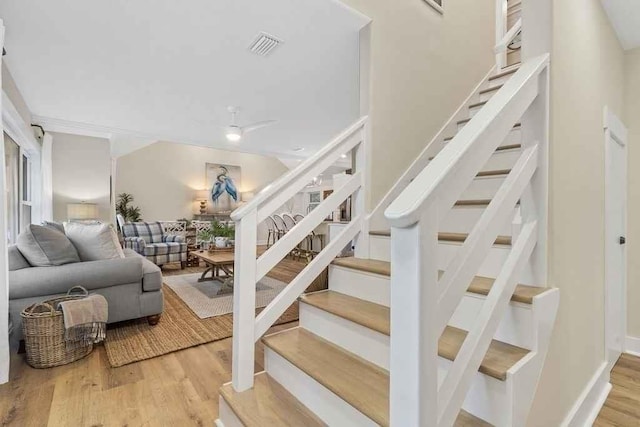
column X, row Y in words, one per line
column 132, row 286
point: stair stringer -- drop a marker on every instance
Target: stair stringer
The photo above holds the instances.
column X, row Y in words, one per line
column 545, row 309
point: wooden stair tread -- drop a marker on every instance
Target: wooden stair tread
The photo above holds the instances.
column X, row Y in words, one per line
column 367, row 265
column 493, row 173
column 478, row 104
column 268, row 404
column 502, row 74
column 449, row 237
column 364, row 313
column 479, row 285
column 491, row 89
column 496, row 363
column 361, row 384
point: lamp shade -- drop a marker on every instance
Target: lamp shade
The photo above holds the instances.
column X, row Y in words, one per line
column 247, row 196
column 202, row 195
column 82, row 211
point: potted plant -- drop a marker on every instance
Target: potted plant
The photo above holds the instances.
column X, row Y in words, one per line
column 205, row 237
column 221, row 234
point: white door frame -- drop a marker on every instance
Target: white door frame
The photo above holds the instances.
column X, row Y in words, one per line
column 615, row 153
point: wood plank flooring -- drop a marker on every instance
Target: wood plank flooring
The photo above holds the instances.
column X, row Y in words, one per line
column 178, row 389
column 622, row 407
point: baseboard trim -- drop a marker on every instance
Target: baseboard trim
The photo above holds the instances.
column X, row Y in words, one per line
column 632, row 346
column 588, row 405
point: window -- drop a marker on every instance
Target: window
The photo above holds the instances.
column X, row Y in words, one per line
column 12, row 164
column 26, row 202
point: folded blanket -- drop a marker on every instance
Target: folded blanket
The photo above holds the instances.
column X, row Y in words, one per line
column 85, row 320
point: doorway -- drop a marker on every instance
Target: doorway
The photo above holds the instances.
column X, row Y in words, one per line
column 615, row 150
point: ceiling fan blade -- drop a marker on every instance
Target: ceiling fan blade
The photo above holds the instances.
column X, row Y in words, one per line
column 257, row 125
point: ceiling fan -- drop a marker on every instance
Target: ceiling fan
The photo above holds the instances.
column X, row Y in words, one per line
column 234, row 132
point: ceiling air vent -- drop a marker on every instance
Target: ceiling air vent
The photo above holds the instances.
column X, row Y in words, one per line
column 264, row 44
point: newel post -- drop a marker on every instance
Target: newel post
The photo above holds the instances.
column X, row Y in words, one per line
column 244, row 301
column 414, row 337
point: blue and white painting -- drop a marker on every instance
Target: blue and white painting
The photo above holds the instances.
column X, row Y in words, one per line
column 223, row 182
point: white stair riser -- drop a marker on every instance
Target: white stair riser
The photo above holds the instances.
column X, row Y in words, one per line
column 483, row 188
column 362, row 341
column 323, row 403
column 462, row 220
column 370, row 287
column 380, row 248
column 488, row 398
column 514, row 137
column 515, row 328
column 504, row 159
column 227, row 417
column 488, row 95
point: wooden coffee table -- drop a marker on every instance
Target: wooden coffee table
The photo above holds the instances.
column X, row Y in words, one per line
column 218, row 261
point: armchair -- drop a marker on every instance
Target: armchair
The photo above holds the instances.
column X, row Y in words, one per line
column 149, row 240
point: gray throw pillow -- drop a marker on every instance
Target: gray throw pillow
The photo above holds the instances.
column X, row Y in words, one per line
column 55, row 225
column 94, row 241
column 45, row 247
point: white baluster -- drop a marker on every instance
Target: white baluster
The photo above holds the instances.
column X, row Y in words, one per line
column 362, row 159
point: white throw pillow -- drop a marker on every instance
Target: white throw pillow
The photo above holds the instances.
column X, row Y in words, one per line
column 94, row 241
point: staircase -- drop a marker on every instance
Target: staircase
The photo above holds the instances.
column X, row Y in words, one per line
column 361, row 353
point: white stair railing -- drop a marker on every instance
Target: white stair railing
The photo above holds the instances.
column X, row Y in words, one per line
column 249, row 269
column 421, row 302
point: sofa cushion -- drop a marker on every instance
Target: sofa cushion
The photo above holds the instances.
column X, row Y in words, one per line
column 45, row 247
column 16, row 260
column 164, row 248
column 38, row 281
column 94, row 241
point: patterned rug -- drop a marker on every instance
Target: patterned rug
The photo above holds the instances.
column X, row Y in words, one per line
column 213, row 298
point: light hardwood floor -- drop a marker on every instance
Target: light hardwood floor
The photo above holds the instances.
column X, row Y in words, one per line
column 622, row 407
column 178, row 389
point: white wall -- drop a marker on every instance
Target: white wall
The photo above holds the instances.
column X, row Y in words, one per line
column 632, row 121
column 81, row 172
column 586, row 74
column 423, row 65
column 163, row 177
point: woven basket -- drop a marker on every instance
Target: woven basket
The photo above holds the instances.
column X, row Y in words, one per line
column 43, row 329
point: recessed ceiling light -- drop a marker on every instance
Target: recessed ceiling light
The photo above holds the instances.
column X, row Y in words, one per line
column 298, row 149
column 344, row 156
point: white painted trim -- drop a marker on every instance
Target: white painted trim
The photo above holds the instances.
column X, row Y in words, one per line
column 616, row 157
column 632, row 346
column 4, row 259
column 588, row 405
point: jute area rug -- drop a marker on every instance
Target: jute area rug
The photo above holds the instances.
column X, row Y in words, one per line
column 179, row 328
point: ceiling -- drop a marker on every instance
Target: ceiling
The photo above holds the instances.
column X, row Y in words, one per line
column 625, row 16
column 167, row 70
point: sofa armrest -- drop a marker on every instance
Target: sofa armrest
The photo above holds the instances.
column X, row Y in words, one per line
column 172, row 238
column 151, row 273
column 135, row 243
column 42, row 281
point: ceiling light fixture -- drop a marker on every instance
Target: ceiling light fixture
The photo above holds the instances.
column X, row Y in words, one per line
column 344, row 156
column 298, row 149
column 233, row 133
